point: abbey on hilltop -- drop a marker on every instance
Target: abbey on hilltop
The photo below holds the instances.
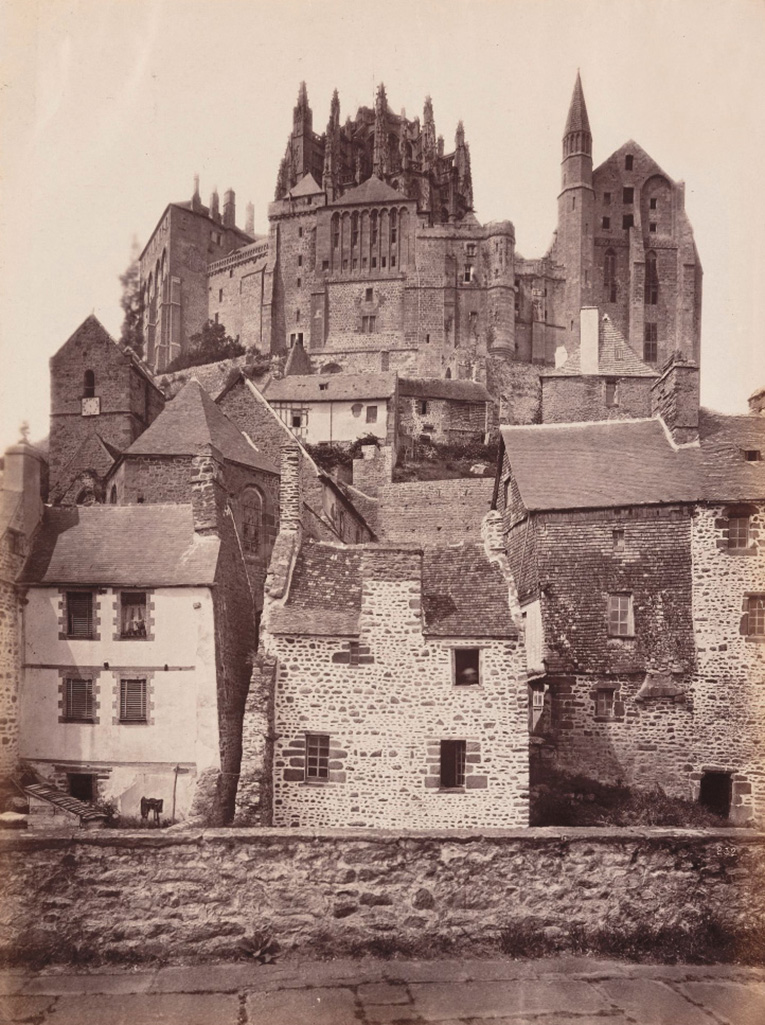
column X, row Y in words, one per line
column 375, row 259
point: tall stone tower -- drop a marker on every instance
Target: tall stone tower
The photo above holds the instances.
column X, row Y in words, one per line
column 574, row 246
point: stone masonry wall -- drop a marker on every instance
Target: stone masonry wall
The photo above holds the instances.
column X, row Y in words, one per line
column 11, row 562
column 195, row 895
column 434, row 512
column 565, row 399
column 729, row 688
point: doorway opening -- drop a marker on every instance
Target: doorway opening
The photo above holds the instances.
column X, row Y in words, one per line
column 715, row 793
column 82, row 785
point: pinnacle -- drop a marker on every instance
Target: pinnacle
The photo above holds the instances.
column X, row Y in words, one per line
column 577, row 120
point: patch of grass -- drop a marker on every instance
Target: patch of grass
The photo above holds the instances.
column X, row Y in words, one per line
column 563, row 799
column 430, row 460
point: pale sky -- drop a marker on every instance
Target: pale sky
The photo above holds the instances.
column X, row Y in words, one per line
column 109, row 107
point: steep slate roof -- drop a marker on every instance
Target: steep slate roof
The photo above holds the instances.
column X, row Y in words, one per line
column 130, row 545
column 307, row 186
column 325, row 592
column 616, row 358
column 191, row 422
column 340, row 387
column 577, row 120
column 463, row 594
column 441, row 388
column 373, row 190
column 632, row 462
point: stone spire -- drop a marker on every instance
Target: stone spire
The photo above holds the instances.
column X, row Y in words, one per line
column 196, row 200
column 577, row 136
column 381, row 158
column 428, row 134
column 462, row 163
column 329, row 181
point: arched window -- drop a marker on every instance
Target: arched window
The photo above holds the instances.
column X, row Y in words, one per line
column 609, row 275
column 651, row 280
column 252, row 519
column 89, row 385
column 335, row 231
column 113, row 495
column 393, row 227
column 448, row 374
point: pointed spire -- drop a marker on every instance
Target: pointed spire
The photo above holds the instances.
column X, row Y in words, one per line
column 381, row 156
column 196, row 201
column 459, row 138
column 249, row 220
column 428, row 134
column 577, row 120
column 334, row 109
column 302, row 100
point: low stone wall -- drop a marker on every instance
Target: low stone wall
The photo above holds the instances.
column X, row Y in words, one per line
column 193, row 895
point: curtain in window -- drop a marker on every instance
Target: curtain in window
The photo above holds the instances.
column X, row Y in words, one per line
column 133, row 615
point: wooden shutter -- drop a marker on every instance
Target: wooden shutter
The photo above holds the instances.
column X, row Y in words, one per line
column 79, row 700
column 133, row 700
column 79, row 608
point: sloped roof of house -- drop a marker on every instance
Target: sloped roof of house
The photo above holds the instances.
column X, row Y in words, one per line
column 307, row 186
column 616, row 358
column 130, row 545
column 633, row 462
column 442, row 388
column 190, row 423
column 330, row 387
column 373, row 190
column 463, row 594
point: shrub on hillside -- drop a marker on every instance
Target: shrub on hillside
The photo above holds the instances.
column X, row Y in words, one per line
column 210, row 345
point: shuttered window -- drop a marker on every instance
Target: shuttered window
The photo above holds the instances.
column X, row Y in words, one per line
column 132, row 700
column 78, row 700
column 79, row 614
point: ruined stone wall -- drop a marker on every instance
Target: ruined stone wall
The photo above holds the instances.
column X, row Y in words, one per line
column 565, row 399
column 195, row 895
column 434, row 512
column 729, row 694
column 444, row 421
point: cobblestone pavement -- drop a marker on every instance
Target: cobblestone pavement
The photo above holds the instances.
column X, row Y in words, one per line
column 557, row 991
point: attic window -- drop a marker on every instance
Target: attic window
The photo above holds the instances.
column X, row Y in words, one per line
column 466, row 666
column 752, row 455
column 89, row 385
column 628, row 160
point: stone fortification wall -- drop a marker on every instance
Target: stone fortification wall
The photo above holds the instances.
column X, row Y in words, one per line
column 434, row 512
column 196, row 894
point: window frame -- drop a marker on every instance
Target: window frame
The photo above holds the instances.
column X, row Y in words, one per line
column 371, row 414
column 451, row 764
column 252, row 539
column 735, row 533
column 123, row 605
column 755, row 613
column 650, row 342
column 316, row 758
column 466, row 655
column 131, row 720
column 604, row 703
column 72, row 634
column 619, row 615
column 89, row 701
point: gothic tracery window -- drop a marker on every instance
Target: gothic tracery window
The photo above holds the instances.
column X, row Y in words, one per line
column 252, row 519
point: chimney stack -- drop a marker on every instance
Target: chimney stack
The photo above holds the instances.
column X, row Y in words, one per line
column 22, row 478
column 229, row 208
column 675, row 398
column 588, row 340
column 249, row 225
column 291, row 487
column 214, row 206
column 196, row 201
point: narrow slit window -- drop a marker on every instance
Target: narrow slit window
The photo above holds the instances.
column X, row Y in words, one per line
column 453, row 754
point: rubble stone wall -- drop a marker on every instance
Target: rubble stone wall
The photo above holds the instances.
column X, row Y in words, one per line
column 195, row 895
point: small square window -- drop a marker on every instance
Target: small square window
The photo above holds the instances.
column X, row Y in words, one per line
column 470, row 248
column 466, row 666
column 752, row 455
column 628, row 195
column 325, row 264
column 296, row 419
column 606, row 199
column 316, row 756
column 620, row 615
column 606, row 222
column 323, row 386
column 652, row 227
column 371, row 414
column 628, row 161
column 133, row 701
column 604, row 703
column 738, row 532
column 453, row 754
column 79, row 614
column 133, row 614
column 652, row 203
column 78, row 700
column 369, row 295
column 422, row 406
column 628, row 221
